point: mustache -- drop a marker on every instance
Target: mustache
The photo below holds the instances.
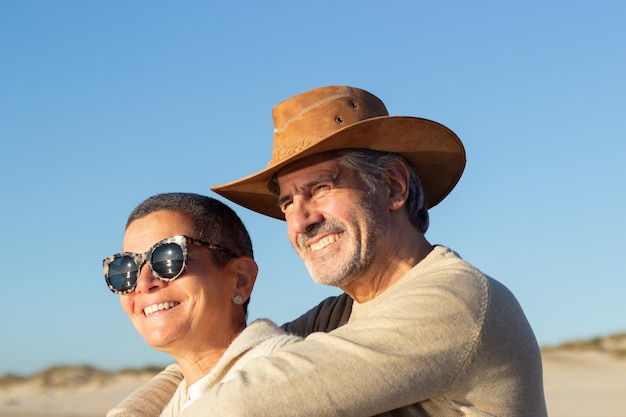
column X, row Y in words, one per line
column 326, row 226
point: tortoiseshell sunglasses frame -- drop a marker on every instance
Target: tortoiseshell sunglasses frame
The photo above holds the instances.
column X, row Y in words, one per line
column 142, row 258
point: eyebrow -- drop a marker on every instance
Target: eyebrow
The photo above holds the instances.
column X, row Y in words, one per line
column 281, row 201
column 332, row 176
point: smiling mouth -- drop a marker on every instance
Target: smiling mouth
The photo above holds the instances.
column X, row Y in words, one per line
column 158, row 307
column 325, row 242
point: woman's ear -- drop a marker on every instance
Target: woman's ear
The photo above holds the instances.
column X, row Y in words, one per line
column 397, row 182
column 247, row 270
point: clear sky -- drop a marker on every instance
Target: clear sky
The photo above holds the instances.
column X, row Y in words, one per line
column 104, row 103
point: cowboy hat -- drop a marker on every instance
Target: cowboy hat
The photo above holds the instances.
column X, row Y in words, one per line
column 341, row 117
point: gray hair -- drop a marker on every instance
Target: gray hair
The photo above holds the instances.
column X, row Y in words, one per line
column 370, row 166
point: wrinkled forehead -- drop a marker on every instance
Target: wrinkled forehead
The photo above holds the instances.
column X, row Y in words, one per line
column 323, row 161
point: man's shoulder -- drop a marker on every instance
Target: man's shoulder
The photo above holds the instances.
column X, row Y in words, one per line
column 329, row 314
column 444, row 264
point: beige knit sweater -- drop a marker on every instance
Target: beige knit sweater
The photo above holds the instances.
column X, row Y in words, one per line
column 445, row 340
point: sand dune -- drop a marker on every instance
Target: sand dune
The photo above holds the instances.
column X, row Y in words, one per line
column 68, row 391
column 586, row 378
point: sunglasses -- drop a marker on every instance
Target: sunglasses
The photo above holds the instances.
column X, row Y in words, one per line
column 167, row 260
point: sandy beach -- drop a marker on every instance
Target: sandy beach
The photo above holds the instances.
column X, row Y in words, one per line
column 584, row 384
column 581, row 380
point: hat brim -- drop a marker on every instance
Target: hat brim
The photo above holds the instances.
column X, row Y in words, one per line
column 435, row 152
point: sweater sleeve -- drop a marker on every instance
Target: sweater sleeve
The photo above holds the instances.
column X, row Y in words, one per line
column 152, row 397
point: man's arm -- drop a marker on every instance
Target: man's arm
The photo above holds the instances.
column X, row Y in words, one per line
column 151, row 398
column 410, row 349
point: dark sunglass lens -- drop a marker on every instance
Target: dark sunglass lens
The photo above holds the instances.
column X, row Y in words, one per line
column 123, row 274
column 168, row 260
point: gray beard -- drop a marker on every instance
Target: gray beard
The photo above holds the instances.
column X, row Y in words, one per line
column 351, row 266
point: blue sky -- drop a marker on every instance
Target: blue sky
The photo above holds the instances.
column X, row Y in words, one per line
column 104, row 103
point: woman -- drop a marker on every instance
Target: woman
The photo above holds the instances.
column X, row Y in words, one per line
column 199, row 276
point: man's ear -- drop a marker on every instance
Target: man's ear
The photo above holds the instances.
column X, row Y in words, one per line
column 397, row 182
column 247, row 270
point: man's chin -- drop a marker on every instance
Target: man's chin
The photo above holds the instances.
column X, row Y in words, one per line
column 332, row 280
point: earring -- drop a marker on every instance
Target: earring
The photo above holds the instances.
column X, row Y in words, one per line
column 238, row 299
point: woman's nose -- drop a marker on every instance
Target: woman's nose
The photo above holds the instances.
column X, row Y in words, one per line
column 146, row 281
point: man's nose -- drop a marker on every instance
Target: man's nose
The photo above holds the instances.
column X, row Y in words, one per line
column 304, row 214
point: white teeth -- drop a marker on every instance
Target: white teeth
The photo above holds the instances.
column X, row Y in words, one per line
column 158, row 307
column 325, row 242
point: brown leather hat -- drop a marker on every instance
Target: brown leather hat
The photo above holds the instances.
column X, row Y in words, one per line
column 340, row 117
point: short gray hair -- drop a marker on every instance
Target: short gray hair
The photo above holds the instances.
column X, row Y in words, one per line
column 370, row 166
column 211, row 220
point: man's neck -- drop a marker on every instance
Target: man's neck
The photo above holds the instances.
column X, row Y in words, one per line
column 389, row 266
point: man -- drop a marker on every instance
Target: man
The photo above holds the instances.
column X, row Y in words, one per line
column 427, row 334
